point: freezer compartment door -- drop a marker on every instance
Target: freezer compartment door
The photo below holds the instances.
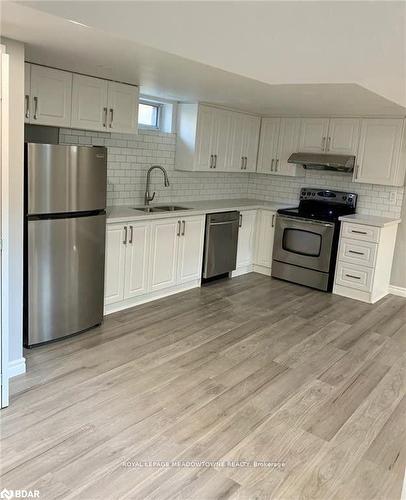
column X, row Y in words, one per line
column 65, row 265
column 63, row 179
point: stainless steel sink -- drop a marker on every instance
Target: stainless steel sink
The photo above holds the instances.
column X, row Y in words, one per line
column 162, row 208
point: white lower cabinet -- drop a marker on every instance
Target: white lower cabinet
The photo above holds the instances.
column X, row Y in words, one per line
column 149, row 259
column 264, row 236
column 137, row 259
column 190, row 249
column 164, row 249
column 115, row 262
column 364, row 260
column 245, row 249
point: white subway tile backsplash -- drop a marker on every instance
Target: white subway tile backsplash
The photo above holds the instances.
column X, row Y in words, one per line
column 130, row 156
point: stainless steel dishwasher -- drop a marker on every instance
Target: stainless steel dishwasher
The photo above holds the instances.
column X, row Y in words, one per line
column 220, row 247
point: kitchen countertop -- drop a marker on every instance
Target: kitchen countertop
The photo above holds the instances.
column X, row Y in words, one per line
column 201, row 207
column 369, row 220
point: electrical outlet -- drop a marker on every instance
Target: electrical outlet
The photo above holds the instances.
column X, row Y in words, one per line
column 392, row 197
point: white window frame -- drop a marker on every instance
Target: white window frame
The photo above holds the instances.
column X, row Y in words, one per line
column 166, row 113
column 158, row 105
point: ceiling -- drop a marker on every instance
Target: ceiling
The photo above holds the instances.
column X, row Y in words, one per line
column 272, row 58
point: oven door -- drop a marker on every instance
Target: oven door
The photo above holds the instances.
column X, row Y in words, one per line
column 303, row 242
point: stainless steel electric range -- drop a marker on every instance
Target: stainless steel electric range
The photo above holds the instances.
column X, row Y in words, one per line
column 306, row 237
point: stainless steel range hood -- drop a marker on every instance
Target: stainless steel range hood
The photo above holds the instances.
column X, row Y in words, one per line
column 319, row 161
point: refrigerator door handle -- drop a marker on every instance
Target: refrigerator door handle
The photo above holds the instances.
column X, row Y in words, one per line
column 125, row 236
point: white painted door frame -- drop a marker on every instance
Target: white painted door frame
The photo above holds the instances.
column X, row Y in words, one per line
column 4, row 209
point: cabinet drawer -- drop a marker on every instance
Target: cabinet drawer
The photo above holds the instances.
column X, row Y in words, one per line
column 357, row 252
column 354, row 276
column 360, row 232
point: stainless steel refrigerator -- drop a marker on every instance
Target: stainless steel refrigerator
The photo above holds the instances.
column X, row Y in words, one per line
column 65, row 228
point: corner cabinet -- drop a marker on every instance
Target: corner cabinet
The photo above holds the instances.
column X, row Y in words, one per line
column 216, row 139
column 381, row 155
column 63, row 99
column 149, row 259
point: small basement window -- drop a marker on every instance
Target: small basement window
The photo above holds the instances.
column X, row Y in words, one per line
column 148, row 114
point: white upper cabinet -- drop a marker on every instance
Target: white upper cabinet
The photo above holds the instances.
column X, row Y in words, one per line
column 215, row 139
column 27, row 92
column 250, row 137
column 313, row 136
column 288, row 143
column 343, row 136
column 122, row 108
column 48, row 94
column 89, row 103
column 268, row 145
column 381, row 155
column 63, row 99
column 211, row 139
column 279, row 139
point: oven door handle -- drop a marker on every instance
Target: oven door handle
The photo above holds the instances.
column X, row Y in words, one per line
column 306, row 221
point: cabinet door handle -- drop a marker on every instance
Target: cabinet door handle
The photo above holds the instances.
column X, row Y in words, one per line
column 272, row 162
column 356, row 253
column 352, row 276
column 183, row 227
column 105, row 117
column 240, row 223
column 215, row 161
column 323, row 144
column 27, row 106
column 242, row 163
column 273, row 220
column 131, row 235
column 276, row 164
column 358, row 232
column 35, row 108
column 178, row 231
column 246, row 161
column 211, row 161
column 111, row 117
column 328, row 143
column 125, row 235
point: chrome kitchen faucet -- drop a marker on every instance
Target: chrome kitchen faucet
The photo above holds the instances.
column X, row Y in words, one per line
column 148, row 197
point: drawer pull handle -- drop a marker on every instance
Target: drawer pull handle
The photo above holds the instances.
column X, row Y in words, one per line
column 352, row 276
column 357, row 253
column 358, row 232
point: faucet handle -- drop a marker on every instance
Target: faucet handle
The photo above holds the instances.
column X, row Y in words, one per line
column 152, row 197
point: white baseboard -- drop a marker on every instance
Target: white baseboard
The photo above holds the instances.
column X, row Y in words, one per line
column 149, row 297
column 261, row 269
column 241, row 270
column 16, row 367
column 397, row 290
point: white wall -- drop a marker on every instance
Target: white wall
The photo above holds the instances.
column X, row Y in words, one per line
column 16, row 155
column 398, row 277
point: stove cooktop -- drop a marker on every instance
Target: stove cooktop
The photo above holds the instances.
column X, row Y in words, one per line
column 322, row 204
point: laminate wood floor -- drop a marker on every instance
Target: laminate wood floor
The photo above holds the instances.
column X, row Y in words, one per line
column 302, row 392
